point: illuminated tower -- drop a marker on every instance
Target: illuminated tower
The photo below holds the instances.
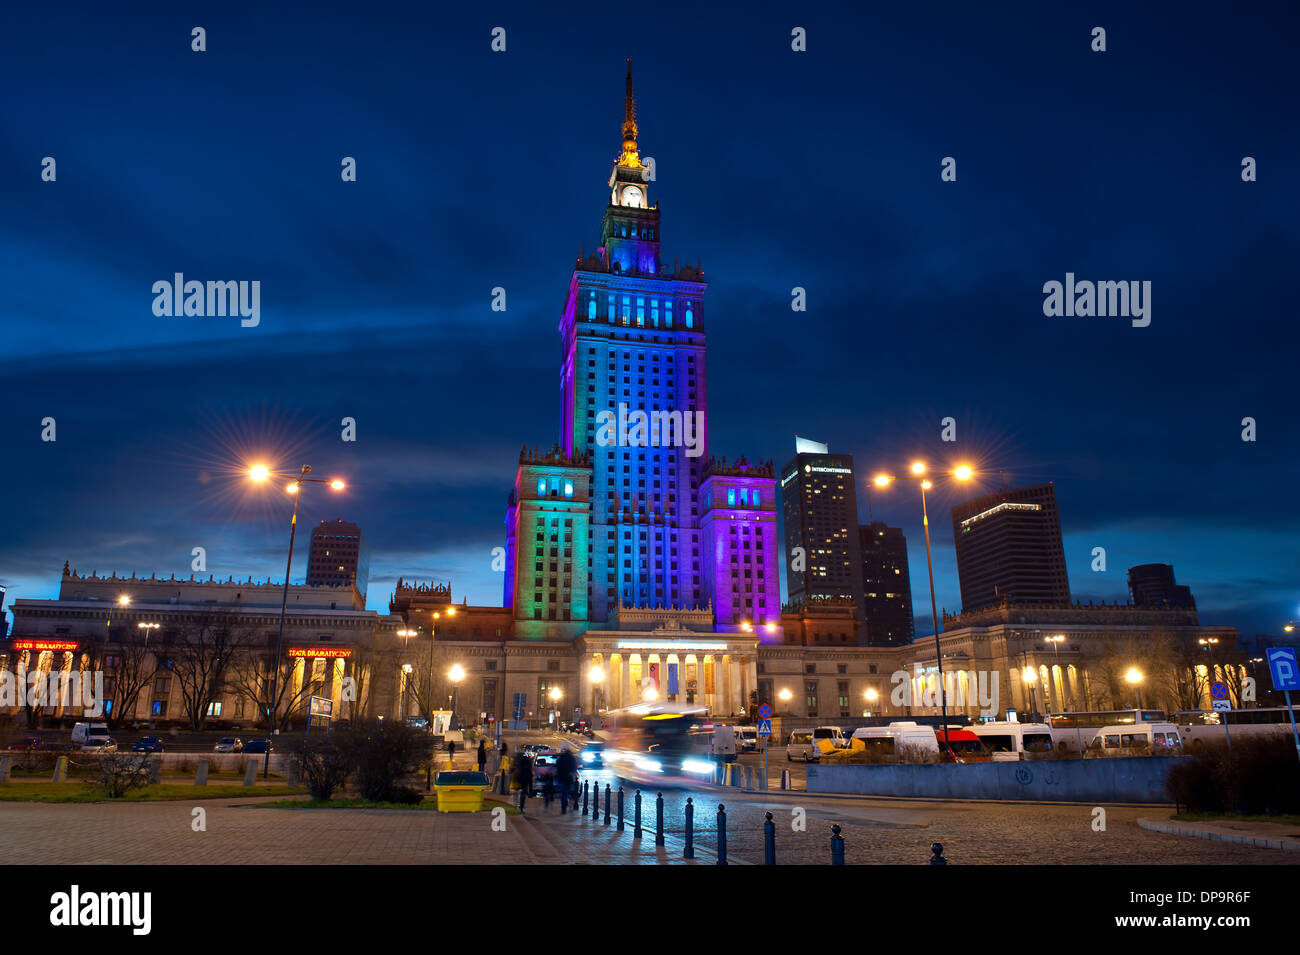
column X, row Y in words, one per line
column 634, row 399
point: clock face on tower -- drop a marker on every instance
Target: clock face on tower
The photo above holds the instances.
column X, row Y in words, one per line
column 632, row 196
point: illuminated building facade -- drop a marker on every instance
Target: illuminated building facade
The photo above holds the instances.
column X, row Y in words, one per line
column 1009, row 547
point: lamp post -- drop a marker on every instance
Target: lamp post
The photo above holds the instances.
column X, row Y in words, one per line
column 556, row 694
column 259, row 474
column 456, row 674
column 1134, row 677
column 406, row 633
column 1030, row 678
column 597, row 677
column 870, row 695
column 963, row 472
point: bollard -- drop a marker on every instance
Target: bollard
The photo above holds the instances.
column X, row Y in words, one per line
column 250, row 773
column 749, row 777
column 762, row 779
column 769, row 841
column 6, row 766
column 60, row 769
column 201, row 775
column 735, row 775
column 837, row 846
column 620, row 809
column 722, row 834
column 936, row 858
column 689, row 851
column 585, row 783
column 607, row 796
column 785, row 779
column 155, row 769
column 293, row 771
column 659, row 819
column 636, row 824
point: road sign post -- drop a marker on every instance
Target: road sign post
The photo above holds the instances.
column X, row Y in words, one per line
column 1286, row 677
column 765, row 733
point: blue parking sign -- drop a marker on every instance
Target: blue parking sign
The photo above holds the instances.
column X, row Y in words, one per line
column 1286, row 672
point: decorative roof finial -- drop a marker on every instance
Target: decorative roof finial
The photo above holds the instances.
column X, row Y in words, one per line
column 629, row 157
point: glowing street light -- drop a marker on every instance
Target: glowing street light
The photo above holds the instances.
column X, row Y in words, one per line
column 260, row 473
column 963, row 472
column 597, row 677
column 1134, row 677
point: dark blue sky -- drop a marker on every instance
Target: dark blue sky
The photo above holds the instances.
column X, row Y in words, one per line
column 816, row 169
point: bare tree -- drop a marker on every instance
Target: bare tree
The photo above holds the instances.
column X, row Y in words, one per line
column 129, row 667
column 206, row 647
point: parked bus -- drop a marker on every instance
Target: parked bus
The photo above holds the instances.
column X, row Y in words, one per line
column 1074, row 732
column 1201, row 727
column 664, row 744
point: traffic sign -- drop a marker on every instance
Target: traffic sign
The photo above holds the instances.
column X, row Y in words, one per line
column 764, row 727
column 1221, row 705
column 1218, row 691
column 1286, row 671
column 765, row 712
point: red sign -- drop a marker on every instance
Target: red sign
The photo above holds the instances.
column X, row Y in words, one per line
column 333, row 653
column 45, row 645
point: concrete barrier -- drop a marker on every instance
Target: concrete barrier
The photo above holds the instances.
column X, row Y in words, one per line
column 201, row 777
column 1118, row 779
column 60, row 769
column 6, row 767
column 250, row 774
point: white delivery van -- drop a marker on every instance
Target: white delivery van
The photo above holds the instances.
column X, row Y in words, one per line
column 747, row 738
column 833, row 733
column 1009, row 742
column 723, row 743
column 801, row 746
column 82, row 730
column 1158, row 739
column 893, row 740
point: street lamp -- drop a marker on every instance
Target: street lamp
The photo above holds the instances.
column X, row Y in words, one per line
column 1134, row 677
column 785, row 696
column 597, row 676
column 963, row 472
column 870, row 695
column 456, row 673
column 555, row 694
column 260, row 473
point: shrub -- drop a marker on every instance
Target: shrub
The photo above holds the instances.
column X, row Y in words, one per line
column 118, row 773
column 380, row 753
column 403, row 794
column 324, row 767
column 1261, row 776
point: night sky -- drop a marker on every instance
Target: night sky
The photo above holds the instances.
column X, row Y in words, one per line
column 778, row 169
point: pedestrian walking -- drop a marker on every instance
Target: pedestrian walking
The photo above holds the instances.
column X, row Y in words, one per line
column 523, row 777
column 548, row 791
column 482, row 755
column 566, row 768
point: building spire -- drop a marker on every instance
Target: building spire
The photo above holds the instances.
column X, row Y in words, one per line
column 629, row 156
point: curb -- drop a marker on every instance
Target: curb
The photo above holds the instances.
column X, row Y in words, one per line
column 1262, row 842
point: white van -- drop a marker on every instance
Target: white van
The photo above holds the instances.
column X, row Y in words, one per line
column 82, row 730
column 1158, row 739
column 1009, row 742
column 833, row 733
column 892, row 740
column 801, row 746
column 747, row 738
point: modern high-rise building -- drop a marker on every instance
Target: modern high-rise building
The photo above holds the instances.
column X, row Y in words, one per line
column 339, row 556
column 628, row 512
column 886, row 585
column 819, row 503
column 1009, row 547
column 1153, row 585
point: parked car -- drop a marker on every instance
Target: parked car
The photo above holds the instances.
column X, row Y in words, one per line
column 228, row 744
column 262, row 745
column 27, row 742
column 148, row 744
column 99, row 744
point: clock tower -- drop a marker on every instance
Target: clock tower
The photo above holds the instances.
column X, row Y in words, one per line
column 629, row 233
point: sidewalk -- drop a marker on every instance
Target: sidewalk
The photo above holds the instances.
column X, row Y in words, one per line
column 575, row 839
column 1264, row 835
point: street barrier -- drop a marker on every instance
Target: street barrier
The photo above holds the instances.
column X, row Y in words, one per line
column 689, row 851
column 769, row 841
column 722, row 834
column 201, row 774
column 620, row 808
column 659, row 819
column 837, row 846
column 250, row 774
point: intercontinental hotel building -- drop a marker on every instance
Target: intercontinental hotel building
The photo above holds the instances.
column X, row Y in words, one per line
column 638, row 563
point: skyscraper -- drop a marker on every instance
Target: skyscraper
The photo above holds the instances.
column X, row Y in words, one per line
column 339, row 556
column 886, row 585
column 819, row 502
column 1009, row 546
column 1153, row 585
column 629, row 510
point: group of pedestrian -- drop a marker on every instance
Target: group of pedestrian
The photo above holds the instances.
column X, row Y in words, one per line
column 559, row 784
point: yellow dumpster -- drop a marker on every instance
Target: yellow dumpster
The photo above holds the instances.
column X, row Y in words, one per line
column 460, row 791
